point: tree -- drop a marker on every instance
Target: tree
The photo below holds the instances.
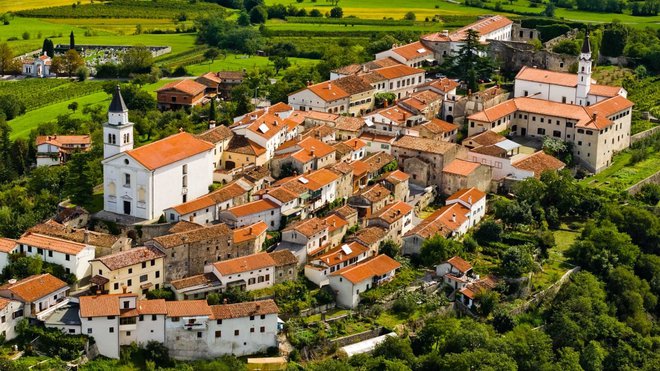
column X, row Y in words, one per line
column 73, row 106
column 137, row 59
column 470, row 63
column 395, row 348
column 82, row 73
column 72, row 41
column 489, row 231
column 516, row 261
column 213, row 298
column 567, row 46
column 280, row 62
column 258, row 15
column 615, row 36
column 11, row 106
column 336, row 12
column 243, row 19
column 410, row 16
column 48, row 48
column 68, row 63
column 438, row 249
column 211, row 54
column 549, row 10
column 6, row 59
column 315, row 13
column 390, row 248
column 250, row 4
column 213, row 114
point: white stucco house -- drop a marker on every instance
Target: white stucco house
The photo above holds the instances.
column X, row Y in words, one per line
column 321, row 267
column 38, row 67
column 349, row 282
column 11, row 312
column 40, row 294
column 73, row 256
column 7, row 247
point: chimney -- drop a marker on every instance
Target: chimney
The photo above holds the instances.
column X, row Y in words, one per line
column 329, row 85
column 224, row 301
column 386, row 103
column 312, row 151
column 257, row 306
column 453, row 217
column 594, row 116
column 445, row 33
column 212, row 124
column 309, row 83
column 470, row 200
column 250, row 232
column 86, row 237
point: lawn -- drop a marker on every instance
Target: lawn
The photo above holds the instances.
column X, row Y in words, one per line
column 378, row 9
column 236, row 62
column 621, row 174
column 280, row 25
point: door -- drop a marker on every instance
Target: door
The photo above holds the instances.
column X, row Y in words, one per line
column 127, row 207
column 523, row 131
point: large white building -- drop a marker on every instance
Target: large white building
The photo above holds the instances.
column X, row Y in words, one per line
column 145, row 181
column 190, row 329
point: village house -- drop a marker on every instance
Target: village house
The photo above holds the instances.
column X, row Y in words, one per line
column 38, row 67
column 337, row 228
column 364, row 68
column 305, row 237
column 349, row 282
column 211, row 81
column 206, row 209
column 426, row 103
column 186, row 253
column 39, row 294
column 228, row 81
column 347, row 127
column 392, row 121
column 73, row 256
column 251, row 213
column 11, row 313
column 425, row 158
column 436, row 129
column 464, row 174
column 445, row 43
column 455, row 272
column 268, row 131
column 395, row 218
column 413, row 55
column 370, row 200
column 464, row 210
column 396, row 182
column 137, row 271
column 8, row 246
column 377, row 143
column 243, row 153
column 303, row 156
column 320, row 267
column 347, row 213
column 250, row 238
column 57, row 149
column 219, row 136
column 469, row 295
column 253, row 272
column 371, row 237
column 103, row 243
column 180, row 93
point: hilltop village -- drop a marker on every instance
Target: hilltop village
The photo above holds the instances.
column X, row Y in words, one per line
column 334, row 192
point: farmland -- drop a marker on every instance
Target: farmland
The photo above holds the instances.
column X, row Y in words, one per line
column 12, row 5
column 35, row 93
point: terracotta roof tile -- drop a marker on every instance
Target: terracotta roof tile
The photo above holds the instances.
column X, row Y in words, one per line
column 217, row 134
column 283, row 258
column 7, row 244
column 177, row 239
column 538, row 163
column 34, row 287
column 349, row 123
column 353, row 85
column 64, row 140
column 253, row 207
column 393, row 212
column 197, row 280
column 308, row 227
column 242, row 145
column 424, row 144
column 437, row 126
column 184, row 226
column 169, row 150
column 486, row 138
column 345, row 212
column 246, row 309
column 461, row 167
column 374, row 193
column 377, row 266
column 249, row 232
column 467, row 195
column 547, row 77
column 101, row 305
column 267, row 125
column 188, row 308
column 396, row 176
column 604, row 90
column 154, row 306
column 130, row 257
column 190, row 87
column 328, row 91
column 244, row 263
column 370, row 235
column 460, row 264
column 338, row 255
column 413, row 51
column 483, row 26
column 54, row 229
column 395, row 72
column 334, row 222
column 51, row 243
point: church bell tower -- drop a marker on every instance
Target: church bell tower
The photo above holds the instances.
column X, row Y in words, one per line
column 118, row 131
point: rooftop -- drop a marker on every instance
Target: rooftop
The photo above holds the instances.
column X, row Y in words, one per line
column 378, row 266
column 130, row 257
column 244, row 263
column 424, row 145
column 206, row 233
column 240, row 310
column 51, row 243
column 169, row 150
column 34, row 287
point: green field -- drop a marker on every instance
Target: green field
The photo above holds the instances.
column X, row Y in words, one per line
column 236, row 62
column 396, row 9
column 12, row 5
column 621, row 174
column 280, row 25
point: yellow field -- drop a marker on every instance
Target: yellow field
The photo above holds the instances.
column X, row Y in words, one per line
column 13, row 5
column 124, row 26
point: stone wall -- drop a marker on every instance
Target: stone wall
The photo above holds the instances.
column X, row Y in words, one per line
column 548, row 293
column 356, row 338
column 644, row 134
column 515, row 55
column 653, row 179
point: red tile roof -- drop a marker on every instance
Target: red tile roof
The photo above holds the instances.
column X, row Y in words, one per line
column 63, row 140
column 547, row 77
column 188, row 308
column 240, row 310
column 338, row 255
column 393, row 212
column 34, row 287
column 169, row 150
column 460, row 167
column 190, row 87
column 413, row 51
column 395, row 72
column 130, row 257
column 538, row 163
column 424, row 144
column 378, row 266
column 7, row 244
column 51, row 243
column 483, row 26
column 244, row 264
column 253, row 207
column 197, row 280
column 249, row 232
column 604, row 90
column 460, row 264
column 467, row 195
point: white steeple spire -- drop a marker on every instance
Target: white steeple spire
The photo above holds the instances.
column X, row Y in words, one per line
column 584, row 72
column 118, row 131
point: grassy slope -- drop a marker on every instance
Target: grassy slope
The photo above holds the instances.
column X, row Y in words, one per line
column 23, row 125
column 235, row 62
column 621, row 175
column 277, row 25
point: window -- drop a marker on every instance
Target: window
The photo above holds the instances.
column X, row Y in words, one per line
column 144, row 265
column 263, row 316
column 540, row 131
column 129, row 283
column 251, row 330
column 128, row 333
column 130, row 270
column 569, row 124
column 175, row 319
column 157, row 274
column 218, row 334
column 67, row 257
column 556, row 134
column 184, row 169
column 236, row 332
column 262, row 329
column 50, row 253
column 184, row 181
column 143, row 278
column 199, row 334
column 3, row 319
column 127, row 303
column 141, row 317
column 563, row 99
column 112, row 329
column 116, row 286
column 251, row 318
column 89, row 330
column 127, row 180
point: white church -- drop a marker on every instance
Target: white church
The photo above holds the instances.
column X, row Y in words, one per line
column 143, row 182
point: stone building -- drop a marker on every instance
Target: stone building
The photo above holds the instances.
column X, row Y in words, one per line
column 424, row 158
column 186, row 253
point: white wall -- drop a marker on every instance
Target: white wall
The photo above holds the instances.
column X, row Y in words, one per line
column 99, row 328
column 77, row 264
column 250, row 338
column 7, row 321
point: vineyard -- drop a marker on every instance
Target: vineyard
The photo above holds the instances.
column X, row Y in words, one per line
column 129, row 9
column 37, row 93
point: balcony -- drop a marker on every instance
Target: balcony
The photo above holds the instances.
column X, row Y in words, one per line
column 46, row 312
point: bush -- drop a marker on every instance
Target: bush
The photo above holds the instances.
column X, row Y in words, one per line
column 489, row 231
column 180, row 71
column 82, row 73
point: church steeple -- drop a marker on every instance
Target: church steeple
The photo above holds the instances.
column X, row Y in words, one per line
column 584, row 72
column 118, row 131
